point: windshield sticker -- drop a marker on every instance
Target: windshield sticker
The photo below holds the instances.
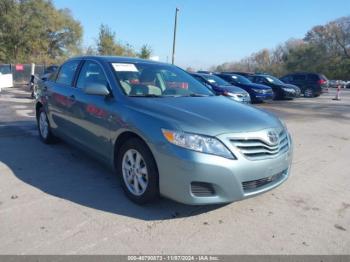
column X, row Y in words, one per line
column 119, row 67
column 211, row 81
column 269, row 79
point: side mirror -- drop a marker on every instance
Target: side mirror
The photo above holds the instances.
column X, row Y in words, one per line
column 96, row 89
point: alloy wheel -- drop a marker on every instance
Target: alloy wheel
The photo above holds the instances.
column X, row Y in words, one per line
column 43, row 125
column 135, row 173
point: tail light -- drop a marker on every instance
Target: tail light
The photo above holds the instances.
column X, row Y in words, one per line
column 321, row 81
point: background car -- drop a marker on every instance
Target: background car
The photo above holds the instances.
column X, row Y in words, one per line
column 311, row 84
column 245, row 74
column 221, row 87
column 280, row 89
column 333, row 83
column 257, row 92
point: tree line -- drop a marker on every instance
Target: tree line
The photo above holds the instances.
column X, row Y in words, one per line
column 324, row 49
column 35, row 31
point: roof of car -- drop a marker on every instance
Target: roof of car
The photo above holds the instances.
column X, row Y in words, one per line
column 118, row 59
column 262, row 74
column 202, row 74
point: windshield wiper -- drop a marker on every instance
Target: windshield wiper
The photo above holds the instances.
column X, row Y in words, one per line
column 147, row 95
column 197, row 95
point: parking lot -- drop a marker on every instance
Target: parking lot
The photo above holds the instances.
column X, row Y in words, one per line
column 56, row 200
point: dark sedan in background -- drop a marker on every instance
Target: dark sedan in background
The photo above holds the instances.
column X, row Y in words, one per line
column 221, row 87
column 281, row 90
column 257, row 92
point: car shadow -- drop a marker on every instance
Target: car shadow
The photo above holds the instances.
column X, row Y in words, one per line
column 62, row 171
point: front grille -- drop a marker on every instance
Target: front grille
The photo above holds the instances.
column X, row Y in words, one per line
column 255, row 184
column 254, row 148
column 202, row 189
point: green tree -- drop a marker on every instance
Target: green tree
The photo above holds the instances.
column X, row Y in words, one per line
column 108, row 45
column 106, row 41
column 35, row 31
column 146, row 52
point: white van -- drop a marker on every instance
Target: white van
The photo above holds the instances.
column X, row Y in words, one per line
column 6, row 78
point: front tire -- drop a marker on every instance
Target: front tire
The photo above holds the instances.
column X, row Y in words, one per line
column 308, row 93
column 137, row 171
column 44, row 128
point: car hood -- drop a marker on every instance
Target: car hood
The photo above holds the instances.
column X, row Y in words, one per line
column 211, row 116
column 232, row 89
column 256, row 86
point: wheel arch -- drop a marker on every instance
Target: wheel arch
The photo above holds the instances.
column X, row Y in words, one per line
column 38, row 105
column 122, row 138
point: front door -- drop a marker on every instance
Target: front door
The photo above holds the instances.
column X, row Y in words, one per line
column 92, row 120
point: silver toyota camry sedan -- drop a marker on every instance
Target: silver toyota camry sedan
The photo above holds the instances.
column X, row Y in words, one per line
column 162, row 131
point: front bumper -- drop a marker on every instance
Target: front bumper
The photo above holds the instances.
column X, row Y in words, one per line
column 262, row 97
column 289, row 94
column 179, row 167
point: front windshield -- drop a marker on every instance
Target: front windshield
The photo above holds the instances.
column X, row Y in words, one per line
column 157, row 80
column 216, row 80
column 241, row 79
column 273, row 80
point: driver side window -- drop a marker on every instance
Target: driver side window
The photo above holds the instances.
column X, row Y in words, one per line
column 91, row 73
column 260, row 80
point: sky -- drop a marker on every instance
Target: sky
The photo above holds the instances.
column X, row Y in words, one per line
column 210, row 32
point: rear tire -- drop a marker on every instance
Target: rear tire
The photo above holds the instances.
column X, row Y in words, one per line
column 138, row 171
column 308, row 92
column 44, row 128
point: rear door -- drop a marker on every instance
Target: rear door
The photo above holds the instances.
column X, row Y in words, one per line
column 300, row 81
column 60, row 95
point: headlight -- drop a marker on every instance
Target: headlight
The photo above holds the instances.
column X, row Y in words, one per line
column 260, row 91
column 289, row 90
column 232, row 94
column 199, row 143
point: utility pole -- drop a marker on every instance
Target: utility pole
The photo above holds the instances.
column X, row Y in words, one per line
column 174, row 40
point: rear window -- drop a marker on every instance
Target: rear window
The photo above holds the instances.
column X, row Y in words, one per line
column 324, row 77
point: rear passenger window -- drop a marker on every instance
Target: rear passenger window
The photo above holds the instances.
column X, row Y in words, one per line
column 299, row 77
column 67, row 72
column 313, row 77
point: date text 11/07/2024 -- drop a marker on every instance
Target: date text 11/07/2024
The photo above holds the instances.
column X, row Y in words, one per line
column 173, row 258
